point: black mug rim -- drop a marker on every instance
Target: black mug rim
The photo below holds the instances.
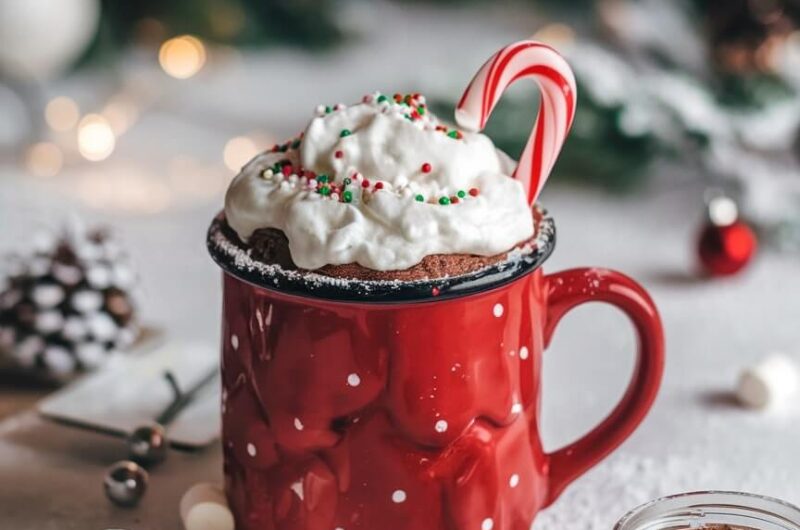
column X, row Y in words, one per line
column 232, row 258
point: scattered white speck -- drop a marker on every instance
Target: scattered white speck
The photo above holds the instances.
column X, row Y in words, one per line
column 487, row 524
column 516, row 408
column 441, row 426
column 514, row 480
column 251, row 450
column 353, row 380
column 235, row 342
column 523, row 352
column 297, row 488
column 298, row 424
column 498, row 310
column 511, row 353
column 398, row 496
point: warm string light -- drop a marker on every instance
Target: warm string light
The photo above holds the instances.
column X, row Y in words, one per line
column 44, row 159
column 96, row 139
column 62, row 114
column 182, row 57
column 238, row 151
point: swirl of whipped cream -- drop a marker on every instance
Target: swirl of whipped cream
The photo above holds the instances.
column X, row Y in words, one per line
column 382, row 183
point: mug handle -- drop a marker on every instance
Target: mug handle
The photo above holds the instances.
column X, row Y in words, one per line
column 567, row 290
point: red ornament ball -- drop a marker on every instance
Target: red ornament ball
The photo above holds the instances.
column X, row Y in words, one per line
column 725, row 250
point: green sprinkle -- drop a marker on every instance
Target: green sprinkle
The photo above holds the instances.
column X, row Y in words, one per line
column 328, row 109
column 382, row 98
column 322, row 178
column 324, row 190
column 296, row 144
column 453, row 134
column 421, row 111
column 347, row 196
column 408, row 117
column 347, row 181
column 444, row 201
column 283, row 148
column 345, row 132
column 419, row 198
column 461, row 194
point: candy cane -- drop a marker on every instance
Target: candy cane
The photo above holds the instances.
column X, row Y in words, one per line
column 556, row 110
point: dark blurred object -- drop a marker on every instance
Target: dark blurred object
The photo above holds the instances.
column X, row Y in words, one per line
column 744, row 34
column 67, row 307
column 306, row 23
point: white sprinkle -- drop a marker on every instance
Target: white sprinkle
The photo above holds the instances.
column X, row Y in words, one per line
column 487, row 524
column 298, row 424
column 398, row 496
column 498, row 310
column 251, row 450
column 441, row 426
column 297, row 488
column 235, row 342
column 523, row 353
column 516, row 408
column 353, row 380
column 514, row 480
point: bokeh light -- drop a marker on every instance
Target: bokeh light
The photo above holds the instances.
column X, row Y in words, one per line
column 182, row 57
column 96, row 138
column 121, row 113
column 62, row 113
column 238, row 151
column 44, row 159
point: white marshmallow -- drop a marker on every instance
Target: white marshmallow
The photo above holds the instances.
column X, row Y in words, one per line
column 204, row 507
column 87, row 301
column 770, row 382
column 47, row 295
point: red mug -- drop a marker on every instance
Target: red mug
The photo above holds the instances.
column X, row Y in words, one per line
column 407, row 410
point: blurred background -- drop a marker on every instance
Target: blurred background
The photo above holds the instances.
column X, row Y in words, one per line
column 134, row 116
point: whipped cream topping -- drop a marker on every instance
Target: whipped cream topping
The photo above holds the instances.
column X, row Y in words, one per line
column 382, row 183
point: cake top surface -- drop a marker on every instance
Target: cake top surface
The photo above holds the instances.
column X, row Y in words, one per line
column 382, row 183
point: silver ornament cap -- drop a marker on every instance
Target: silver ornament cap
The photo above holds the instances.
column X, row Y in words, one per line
column 125, row 483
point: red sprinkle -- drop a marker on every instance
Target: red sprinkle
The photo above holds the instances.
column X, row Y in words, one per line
column 435, row 291
column 426, row 167
column 338, row 154
column 379, row 185
column 275, row 148
column 398, row 97
column 286, row 170
column 454, row 200
column 473, row 192
column 310, row 174
column 365, row 183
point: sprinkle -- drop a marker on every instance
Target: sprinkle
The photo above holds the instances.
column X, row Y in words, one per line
column 325, row 190
column 514, row 480
column 235, row 342
column 365, row 183
column 419, row 198
column 461, row 194
column 398, row 97
column 353, row 379
column 251, row 449
column 487, row 524
column 298, row 424
column 379, row 185
column 296, row 144
column 497, row 311
column 523, row 353
column 312, row 183
column 454, row 200
column 435, row 291
column 335, row 196
column 398, row 496
column 474, row 192
column 421, row 110
column 345, row 132
column 444, row 201
column 347, row 181
column 322, row 178
column 455, row 134
column 320, row 110
column 338, row 154
column 426, row 167
column 516, row 408
column 382, row 98
column 347, row 196
column 286, row 170
column 328, row 109
column 441, row 426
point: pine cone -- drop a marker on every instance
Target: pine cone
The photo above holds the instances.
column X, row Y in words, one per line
column 68, row 307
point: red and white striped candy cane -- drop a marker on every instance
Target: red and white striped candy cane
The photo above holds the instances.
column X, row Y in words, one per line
column 525, row 59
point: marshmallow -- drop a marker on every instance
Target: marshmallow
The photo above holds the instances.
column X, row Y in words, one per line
column 770, row 382
column 204, row 507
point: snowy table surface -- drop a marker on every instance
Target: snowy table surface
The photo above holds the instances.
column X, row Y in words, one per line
column 695, row 437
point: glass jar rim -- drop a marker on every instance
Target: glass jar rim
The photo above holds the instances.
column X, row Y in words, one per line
column 692, row 509
column 234, row 260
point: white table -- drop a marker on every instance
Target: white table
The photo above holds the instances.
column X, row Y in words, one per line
column 695, row 438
